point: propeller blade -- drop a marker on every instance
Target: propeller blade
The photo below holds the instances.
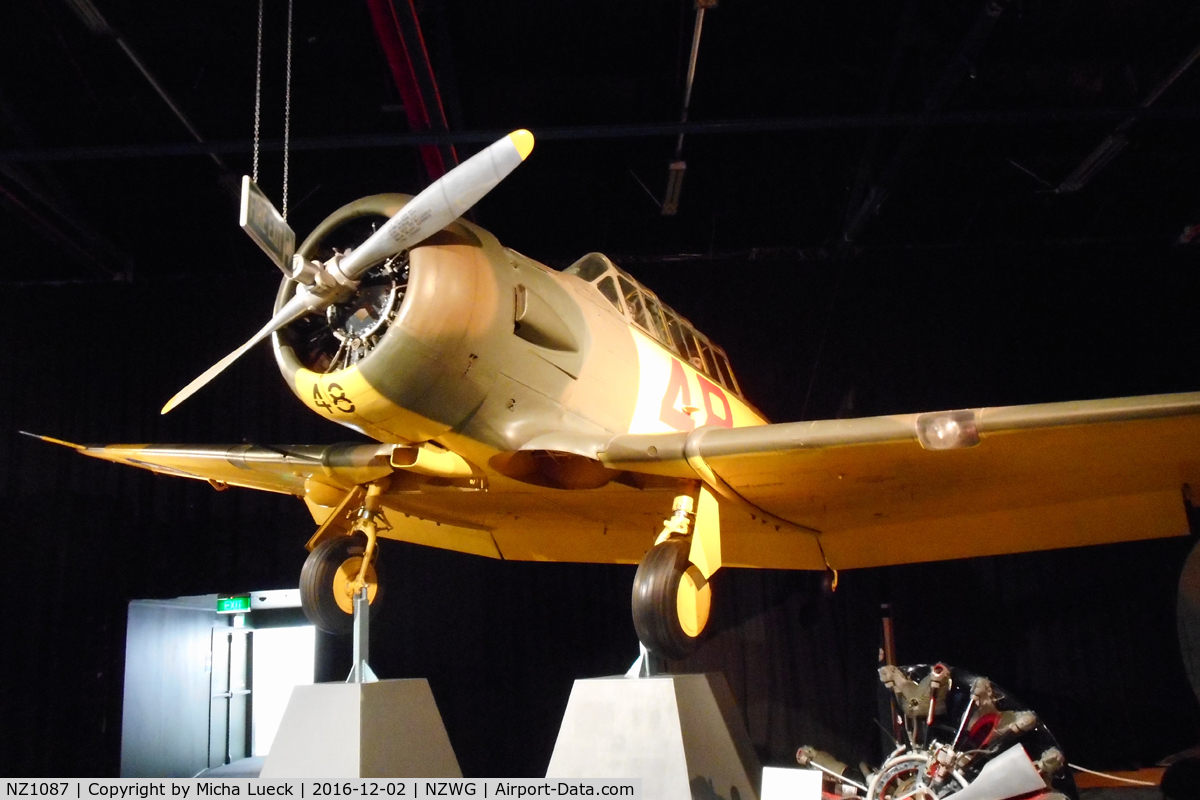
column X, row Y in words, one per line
column 442, row 202
column 297, row 307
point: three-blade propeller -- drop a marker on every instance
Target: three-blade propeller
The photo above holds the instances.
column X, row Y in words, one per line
column 442, row 202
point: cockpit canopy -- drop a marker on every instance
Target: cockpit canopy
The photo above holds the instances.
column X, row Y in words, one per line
column 643, row 308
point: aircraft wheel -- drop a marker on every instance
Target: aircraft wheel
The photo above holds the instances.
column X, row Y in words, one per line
column 671, row 600
column 325, row 582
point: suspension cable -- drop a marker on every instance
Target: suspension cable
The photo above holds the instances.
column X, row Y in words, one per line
column 257, row 91
column 287, row 111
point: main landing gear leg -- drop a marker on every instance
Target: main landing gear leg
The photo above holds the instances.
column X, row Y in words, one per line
column 341, row 566
column 672, row 595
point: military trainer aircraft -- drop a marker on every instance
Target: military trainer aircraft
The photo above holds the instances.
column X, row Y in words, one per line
column 525, row 413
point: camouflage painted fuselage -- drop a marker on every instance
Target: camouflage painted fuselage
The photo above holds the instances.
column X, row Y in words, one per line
column 518, row 369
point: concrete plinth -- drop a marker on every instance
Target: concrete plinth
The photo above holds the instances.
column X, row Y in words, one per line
column 387, row 729
column 682, row 735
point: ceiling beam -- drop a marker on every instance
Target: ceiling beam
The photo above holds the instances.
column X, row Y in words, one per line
column 959, row 68
column 1116, row 141
column 1185, row 114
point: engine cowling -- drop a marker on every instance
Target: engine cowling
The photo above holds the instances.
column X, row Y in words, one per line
column 384, row 360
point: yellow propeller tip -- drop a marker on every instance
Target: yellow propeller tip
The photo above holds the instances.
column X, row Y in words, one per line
column 523, row 141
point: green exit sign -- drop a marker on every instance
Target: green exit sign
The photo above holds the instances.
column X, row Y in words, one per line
column 233, row 605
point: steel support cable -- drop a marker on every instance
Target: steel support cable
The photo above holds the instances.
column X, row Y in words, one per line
column 287, row 113
column 257, row 92
column 287, row 102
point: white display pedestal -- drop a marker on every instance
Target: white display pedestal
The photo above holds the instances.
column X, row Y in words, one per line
column 682, row 735
column 387, row 729
column 789, row 783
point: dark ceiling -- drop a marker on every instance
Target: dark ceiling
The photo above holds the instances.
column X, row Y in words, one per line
column 1015, row 95
column 861, row 162
column 868, row 224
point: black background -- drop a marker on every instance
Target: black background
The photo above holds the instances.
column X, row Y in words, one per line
column 972, row 287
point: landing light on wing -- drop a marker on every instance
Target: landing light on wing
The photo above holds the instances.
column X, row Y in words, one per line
column 947, row 430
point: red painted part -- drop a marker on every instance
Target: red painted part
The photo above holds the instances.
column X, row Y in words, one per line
column 388, row 28
column 982, row 730
column 417, row 43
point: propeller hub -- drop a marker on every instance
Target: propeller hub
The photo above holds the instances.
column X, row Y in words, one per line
column 303, row 271
column 333, row 269
column 443, row 201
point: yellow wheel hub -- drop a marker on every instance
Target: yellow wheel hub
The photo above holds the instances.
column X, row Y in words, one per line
column 343, row 581
column 693, row 601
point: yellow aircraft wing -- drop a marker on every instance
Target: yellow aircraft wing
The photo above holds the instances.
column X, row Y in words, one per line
column 271, row 469
column 872, row 491
column 925, row 487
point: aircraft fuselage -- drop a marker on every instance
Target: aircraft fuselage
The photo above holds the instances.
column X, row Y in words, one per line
column 487, row 350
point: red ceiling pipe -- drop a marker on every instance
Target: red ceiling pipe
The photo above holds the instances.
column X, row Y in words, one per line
column 423, row 113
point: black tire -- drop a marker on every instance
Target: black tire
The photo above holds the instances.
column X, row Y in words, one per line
column 320, row 575
column 656, row 596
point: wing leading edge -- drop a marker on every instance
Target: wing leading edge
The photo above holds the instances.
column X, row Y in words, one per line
column 327, row 472
column 872, row 491
column 272, row 469
column 926, row 487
